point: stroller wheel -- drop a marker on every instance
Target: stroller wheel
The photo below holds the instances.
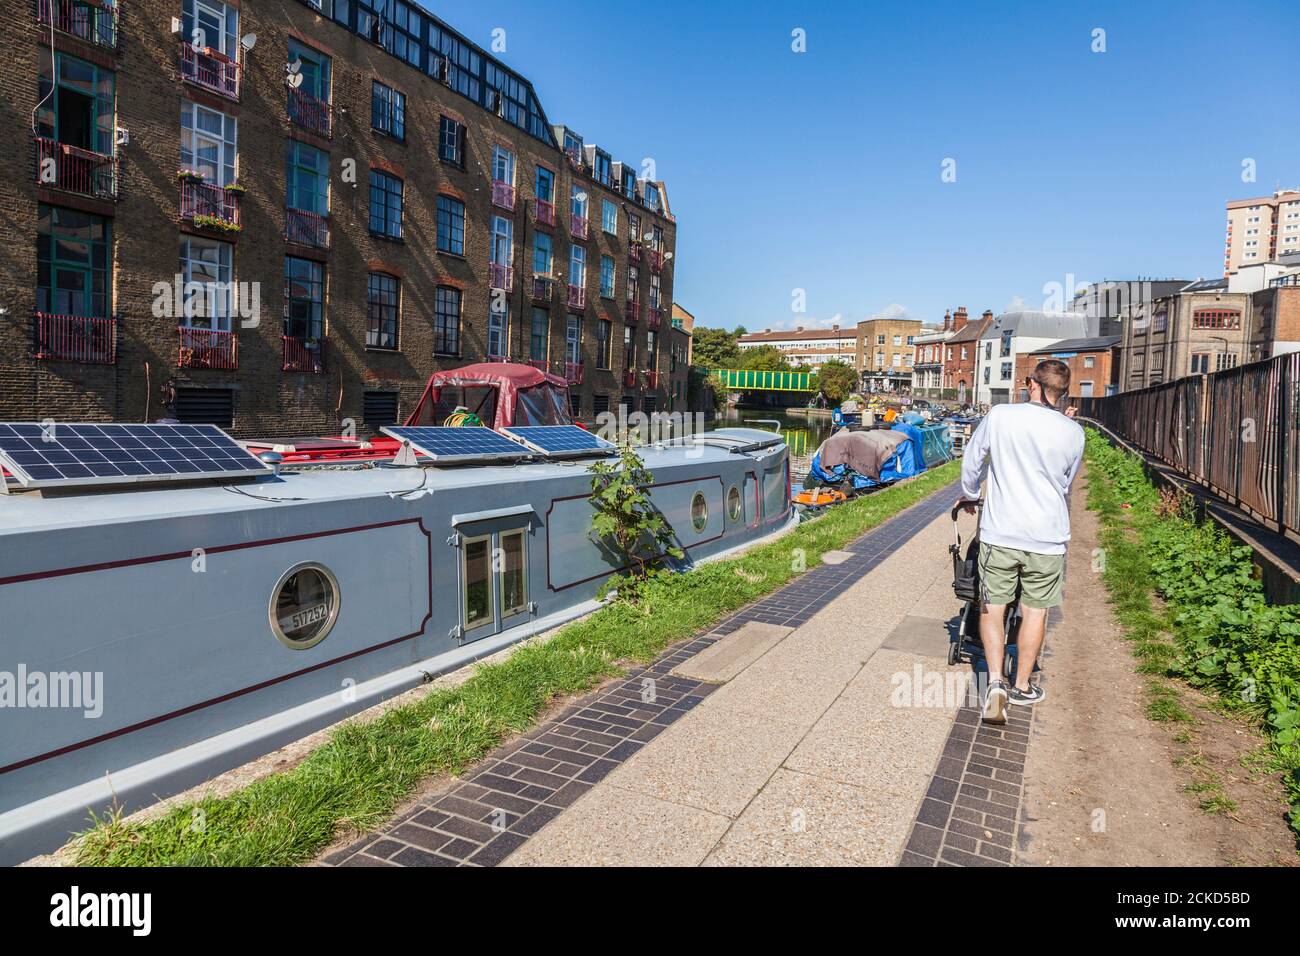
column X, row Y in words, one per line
column 954, row 652
column 1008, row 667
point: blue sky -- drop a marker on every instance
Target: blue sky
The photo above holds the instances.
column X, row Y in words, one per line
column 821, row 170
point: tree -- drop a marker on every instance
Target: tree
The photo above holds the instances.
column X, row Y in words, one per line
column 714, row 348
column 765, row 358
column 837, row 380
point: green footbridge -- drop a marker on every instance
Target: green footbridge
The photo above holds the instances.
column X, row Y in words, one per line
column 741, row 380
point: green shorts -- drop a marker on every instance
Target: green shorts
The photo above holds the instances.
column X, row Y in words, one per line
column 1039, row 576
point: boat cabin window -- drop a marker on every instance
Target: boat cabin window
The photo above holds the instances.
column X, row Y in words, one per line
column 699, row 511
column 304, row 606
column 543, row 405
column 494, row 581
column 733, row 503
column 479, row 399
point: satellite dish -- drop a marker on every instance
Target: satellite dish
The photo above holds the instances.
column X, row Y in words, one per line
column 581, row 197
column 248, row 41
column 667, row 256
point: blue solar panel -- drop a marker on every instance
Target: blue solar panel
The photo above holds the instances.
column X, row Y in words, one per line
column 560, row 440
column 59, row 455
column 441, row 443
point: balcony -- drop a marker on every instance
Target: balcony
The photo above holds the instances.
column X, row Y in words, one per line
column 632, row 311
column 573, row 372
column 207, row 348
column 75, row 170
column 542, row 287
column 629, row 378
column 655, row 318
column 544, row 212
column 73, row 338
column 540, row 364
column 634, row 251
column 651, row 379
column 302, row 355
column 656, row 258
column 91, row 20
column 311, row 114
column 211, row 70
column 503, row 195
column 210, row 206
column 501, row 277
column 578, row 227
column 307, row 228
column 577, row 297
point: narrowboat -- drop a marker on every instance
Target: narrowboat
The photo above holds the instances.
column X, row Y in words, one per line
column 158, row 633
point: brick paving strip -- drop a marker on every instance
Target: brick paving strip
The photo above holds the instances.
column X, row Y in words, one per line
column 483, row 817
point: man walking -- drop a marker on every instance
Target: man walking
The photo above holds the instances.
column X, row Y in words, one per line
column 1033, row 452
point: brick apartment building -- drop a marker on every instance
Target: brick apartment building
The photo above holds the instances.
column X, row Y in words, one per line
column 959, row 355
column 885, row 350
column 1093, row 364
column 352, row 199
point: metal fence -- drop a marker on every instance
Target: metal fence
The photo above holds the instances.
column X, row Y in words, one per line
column 1237, row 431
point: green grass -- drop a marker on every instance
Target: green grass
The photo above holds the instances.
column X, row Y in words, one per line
column 354, row 781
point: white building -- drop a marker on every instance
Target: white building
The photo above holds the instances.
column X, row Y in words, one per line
column 807, row 348
column 1014, row 333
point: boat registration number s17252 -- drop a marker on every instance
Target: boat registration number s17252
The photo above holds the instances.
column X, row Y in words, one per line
column 304, row 618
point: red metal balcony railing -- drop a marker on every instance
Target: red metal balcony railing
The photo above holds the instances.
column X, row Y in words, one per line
column 207, row 348
column 629, row 378
column 545, row 212
column 540, row 364
column 651, row 379
column 632, row 311
column 307, row 228
column 94, row 21
column 577, row 297
column 301, row 355
column 76, row 170
column 654, row 318
column 202, row 200
column 503, row 194
column 656, row 259
column 542, row 287
column 578, row 227
column 573, row 372
column 501, row 277
column 496, row 357
column 74, row 338
column 310, row 113
column 210, row 69
column 634, row 252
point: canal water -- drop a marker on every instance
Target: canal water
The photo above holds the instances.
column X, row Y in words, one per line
column 802, row 435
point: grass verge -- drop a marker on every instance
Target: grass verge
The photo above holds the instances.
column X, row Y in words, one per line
column 1212, row 629
column 355, row 780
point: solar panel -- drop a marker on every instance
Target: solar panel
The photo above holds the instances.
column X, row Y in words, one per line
column 64, row 455
column 560, row 441
column 446, row 445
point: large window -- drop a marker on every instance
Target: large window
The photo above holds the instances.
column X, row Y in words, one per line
column 573, row 340
column 498, row 322
column 609, row 217
column 75, row 103
column 454, row 61
column 446, row 320
column 633, row 284
column 654, row 290
column 604, row 334
column 503, row 165
column 304, row 299
column 307, row 178
column 210, row 23
column 451, row 225
column 502, row 251
column 1216, row 319
column 388, row 110
column 629, row 348
column 385, row 204
column 539, row 335
column 544, row 185
column 451, row 142
column 383, row 305
column 577, row 266
column 578, row 202
column 205, row 271
column 541, row 254
column 73, row 255
column 606, row 277
column 208, row 143
column 651, row 349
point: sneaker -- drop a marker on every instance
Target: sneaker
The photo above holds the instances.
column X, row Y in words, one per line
column 1023, row 698
column 995, row 703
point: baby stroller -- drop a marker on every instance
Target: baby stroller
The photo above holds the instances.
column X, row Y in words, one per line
column 966, row 646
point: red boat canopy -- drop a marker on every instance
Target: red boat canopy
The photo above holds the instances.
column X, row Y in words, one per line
column 500, row 393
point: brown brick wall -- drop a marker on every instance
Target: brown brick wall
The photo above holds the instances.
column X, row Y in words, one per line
column 146, row 232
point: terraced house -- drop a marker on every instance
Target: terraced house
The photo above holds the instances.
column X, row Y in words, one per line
column 280, row 215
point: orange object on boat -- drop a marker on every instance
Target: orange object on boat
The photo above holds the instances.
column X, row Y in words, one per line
column 819, row 496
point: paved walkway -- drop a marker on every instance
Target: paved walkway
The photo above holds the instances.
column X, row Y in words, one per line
column 819, row 725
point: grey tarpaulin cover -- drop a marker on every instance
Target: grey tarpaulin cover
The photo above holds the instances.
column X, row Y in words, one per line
column 863, row 451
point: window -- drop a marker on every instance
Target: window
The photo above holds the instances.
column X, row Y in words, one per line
column 986, row 374
column 387, row 110
column 898, row 340
column 454, row 61
column 451, row 225
column 633, row 284
column 205, row 270
column 699, row 512
column 577, row 266
column 604, row 343
column 880, row 340
column 577, row 202
column 306, row 605
column 385, row 204
column 494, row 576
column 307, row 178
column 1224, row 360
column 609, row 217
column 1089, row 361
column 1216, row 319
column 542, row 256
column 503, row 165
column 634, row 227
column 651, row 349
column 573, row 340
column 314, row 68
column 382, row 304
column 502, row 251
column 208, row 143
column 73, row 254
column 654, row 290
column 629, row 348
column 988, row 351
column 76, row 103
column 606, row 277
column 446, row 320
column 540, row 334
column 652, row 196
column 1006, row 370
column 498, row 321
column 603, row 170
column 304, row 299
column 1006, row 344
column 544, row 185
column 897, row 360
column 451, row 142
column 210, row 23
column 1160, row 321
column 963, row 353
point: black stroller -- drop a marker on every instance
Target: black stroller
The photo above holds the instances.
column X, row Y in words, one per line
column 966, row 646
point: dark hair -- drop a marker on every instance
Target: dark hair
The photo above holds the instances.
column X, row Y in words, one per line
column 1054, row 377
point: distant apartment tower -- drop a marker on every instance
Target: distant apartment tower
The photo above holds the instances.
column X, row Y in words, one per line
column 806, row 348
column 1261, row 229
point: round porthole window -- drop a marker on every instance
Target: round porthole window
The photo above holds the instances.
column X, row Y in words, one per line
column 304, row 605
column 733, row 503
column 699, row 511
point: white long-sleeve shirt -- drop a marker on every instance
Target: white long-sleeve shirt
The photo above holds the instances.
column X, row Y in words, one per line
column 1033, row 453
